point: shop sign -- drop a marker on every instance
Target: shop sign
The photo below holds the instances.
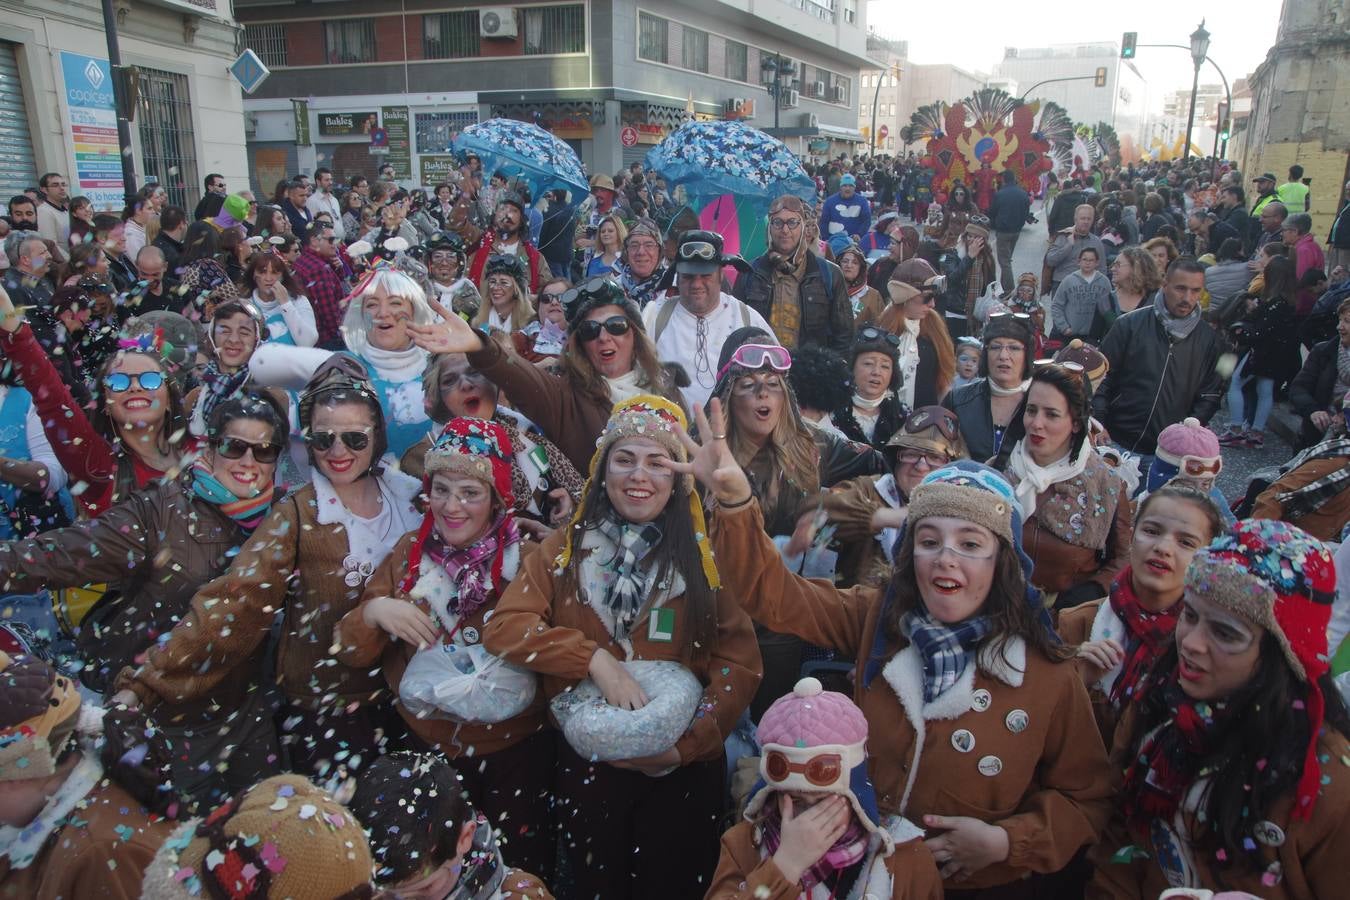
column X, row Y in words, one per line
column 346, row 124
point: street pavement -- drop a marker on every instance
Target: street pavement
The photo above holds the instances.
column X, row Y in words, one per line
column 1238, row 463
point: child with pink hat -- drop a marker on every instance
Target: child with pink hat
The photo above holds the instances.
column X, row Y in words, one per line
column 811, row 827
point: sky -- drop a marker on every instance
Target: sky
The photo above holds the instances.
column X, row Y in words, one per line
column 1240, row 33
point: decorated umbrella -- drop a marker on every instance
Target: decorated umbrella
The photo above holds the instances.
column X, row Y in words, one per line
column 730, row 173
column 526, row 152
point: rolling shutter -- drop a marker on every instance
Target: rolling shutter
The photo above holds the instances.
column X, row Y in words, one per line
column 18, row 170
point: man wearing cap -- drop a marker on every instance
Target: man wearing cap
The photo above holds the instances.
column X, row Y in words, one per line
column 66, row 830
column 1265, row 192
column 803, row 298
column 691, row 327
column 642, row 266
column 509, row 235
column 846, row 212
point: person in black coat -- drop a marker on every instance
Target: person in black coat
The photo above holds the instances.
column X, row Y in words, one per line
column 1313, row 392
column 990, row 408
column 874, row 412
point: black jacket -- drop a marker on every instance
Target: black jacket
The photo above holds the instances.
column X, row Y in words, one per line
column 171, row 249
column 1311, row 388
column 1010, row 208
column 1155, row 382
column 970, row 402
column 1240, row 222
column 1061, row 213
column 827, row 314
column 890, row 416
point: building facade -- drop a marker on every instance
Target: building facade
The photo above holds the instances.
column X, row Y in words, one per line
column 591, row 72
column 56, row 109
column 1121, row 101
column 896, row 87
column 1299, row 98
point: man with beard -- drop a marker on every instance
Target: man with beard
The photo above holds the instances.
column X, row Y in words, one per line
column 510, row 236
column 643, row 262
column 22, row 213
column 445, row 259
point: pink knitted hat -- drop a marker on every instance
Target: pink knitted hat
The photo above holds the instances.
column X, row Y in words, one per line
column 1188, row 438
column 812, row 717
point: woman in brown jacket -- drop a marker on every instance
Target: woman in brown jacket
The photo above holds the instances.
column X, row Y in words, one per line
column 633, row 579
column 608, row 358
column 979, row 733
column 1234, row 753
column 433, row 594
column 309, row 560
column 1076, row 509
column 1121, row 636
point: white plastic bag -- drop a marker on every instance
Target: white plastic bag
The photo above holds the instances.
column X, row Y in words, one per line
column 598, row 731
column 464, row 683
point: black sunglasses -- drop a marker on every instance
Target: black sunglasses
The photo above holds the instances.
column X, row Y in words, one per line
column 589, row 330
column 323, row 441
column 235, row 448
column 870, row 334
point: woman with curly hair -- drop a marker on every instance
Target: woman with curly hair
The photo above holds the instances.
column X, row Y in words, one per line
column 1164, row 252
column 1136, row 277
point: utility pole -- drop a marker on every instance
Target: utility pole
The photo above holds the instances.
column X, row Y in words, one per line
column 121, row 101
column 777, row 86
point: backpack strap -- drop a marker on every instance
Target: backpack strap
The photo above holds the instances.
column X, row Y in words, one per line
column 663, row 318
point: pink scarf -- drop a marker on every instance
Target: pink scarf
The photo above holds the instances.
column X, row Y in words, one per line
column 846, row 852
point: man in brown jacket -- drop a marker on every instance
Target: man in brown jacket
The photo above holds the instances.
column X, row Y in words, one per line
column 66, row 831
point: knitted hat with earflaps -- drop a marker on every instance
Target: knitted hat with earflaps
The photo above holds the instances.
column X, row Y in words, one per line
column 656, row 419
column 1278, row 576
column 469, row 448
column 38, row 712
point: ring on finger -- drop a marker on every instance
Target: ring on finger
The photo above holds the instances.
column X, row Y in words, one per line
column 719, row 437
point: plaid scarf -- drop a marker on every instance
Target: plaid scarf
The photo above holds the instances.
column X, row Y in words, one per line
column 641, row 291
column 946, row 649
column 846, row 852
column 1149, row 634
column 625, row 580
column 1301, row 501
column 1169, row 758
column 218, row 386
column 470, row 568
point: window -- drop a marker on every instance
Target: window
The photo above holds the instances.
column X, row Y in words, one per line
column 695, row 50
column 851, row 12
column 452, row 35
column 435, row 131
column 555, row 29
column 168, row 150
column 349, row 41
column 737, row 58
column 652, row 38
column 892, row 110
column 862, row 110
column 268, row 41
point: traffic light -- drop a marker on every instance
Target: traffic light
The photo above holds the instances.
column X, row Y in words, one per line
column 1127, row 44
column 1223, row 132
column 1100, row 78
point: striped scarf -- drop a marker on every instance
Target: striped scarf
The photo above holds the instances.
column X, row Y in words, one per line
column 946, row 649
column 246, row 512
column 626, row 582
column 846, row 852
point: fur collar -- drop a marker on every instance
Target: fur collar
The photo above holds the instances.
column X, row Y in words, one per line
column 22, row 845
column 1107, row 625
column 1004, row 661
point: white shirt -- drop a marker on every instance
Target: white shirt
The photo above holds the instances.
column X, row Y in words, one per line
column 679, row 341
column 297, row 319
column 320, row 202
column 135, row 235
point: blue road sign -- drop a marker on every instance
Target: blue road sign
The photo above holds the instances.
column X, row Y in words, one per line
column 249, row 71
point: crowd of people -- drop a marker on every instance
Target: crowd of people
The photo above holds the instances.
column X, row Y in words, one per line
column 459, row 543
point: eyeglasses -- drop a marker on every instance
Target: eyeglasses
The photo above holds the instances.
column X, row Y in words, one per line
column 648, row 246
column 785, row 224
column 914, row 457
column 551, row 296
column 590, row 329
column 932, row 548
column 703, row 250
column 627, row 466
column 1012, row 349
column 120, row 382
column 444, row 256
column 469, row 497
column 757, row 356
column 927, row 417
column 870, row 334
column 323, row 441
column 750, row 386
column 235, row 448
column 823, row 770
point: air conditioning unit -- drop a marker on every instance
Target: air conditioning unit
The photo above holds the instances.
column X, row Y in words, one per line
column 838, row 93
column 817, row 89
column 791, row 99
column 810, row 120
column 497, row 22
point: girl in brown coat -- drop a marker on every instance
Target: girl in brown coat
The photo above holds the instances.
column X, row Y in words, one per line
column 979, row 734
column 429, row 600
column 1121, row 636
column 1076, row 509
column 1234, row 752
column 633, row 579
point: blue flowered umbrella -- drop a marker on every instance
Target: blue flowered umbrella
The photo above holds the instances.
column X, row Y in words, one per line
column 526, row 152
column 715, row 158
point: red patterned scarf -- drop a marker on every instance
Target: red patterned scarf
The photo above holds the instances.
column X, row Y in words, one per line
column 846, row 852
column 1149, row 635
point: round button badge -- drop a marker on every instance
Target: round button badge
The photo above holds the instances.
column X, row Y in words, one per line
column 470, row 635
column 990, row 766
column 981, row 700
column 1017, row 721
column 963, row 741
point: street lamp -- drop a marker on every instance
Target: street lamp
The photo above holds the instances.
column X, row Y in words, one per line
column 876, row 96
column 1199, row 50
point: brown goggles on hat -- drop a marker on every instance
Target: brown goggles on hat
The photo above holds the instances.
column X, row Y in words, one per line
column 939, row 417
column 822, row 770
